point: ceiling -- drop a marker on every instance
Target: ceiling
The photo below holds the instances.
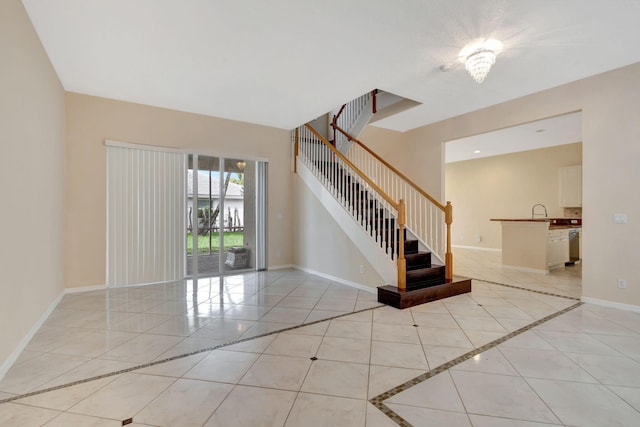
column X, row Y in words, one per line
column 559, row 130
column 285, row 62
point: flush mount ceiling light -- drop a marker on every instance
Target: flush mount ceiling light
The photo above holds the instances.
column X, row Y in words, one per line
column 479, row 56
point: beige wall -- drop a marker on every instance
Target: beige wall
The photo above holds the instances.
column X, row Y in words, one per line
column 504, row 186
column 31, row 179
column 321, row 245
column 610, row 172
column 91, row 120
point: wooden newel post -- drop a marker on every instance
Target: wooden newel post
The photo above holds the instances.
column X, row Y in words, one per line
column 448, row 219
column 295, row 151
column 402, row 262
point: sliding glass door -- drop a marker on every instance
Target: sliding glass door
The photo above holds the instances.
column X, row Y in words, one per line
column 223, row 210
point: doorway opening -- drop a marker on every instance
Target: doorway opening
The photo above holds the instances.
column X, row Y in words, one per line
column 225, row 208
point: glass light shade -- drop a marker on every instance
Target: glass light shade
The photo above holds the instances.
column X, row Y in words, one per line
column 478, row 64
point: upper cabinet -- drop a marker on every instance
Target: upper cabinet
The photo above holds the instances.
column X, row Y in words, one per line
column 571, row 187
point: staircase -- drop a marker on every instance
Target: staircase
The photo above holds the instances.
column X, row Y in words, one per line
column 400, row 219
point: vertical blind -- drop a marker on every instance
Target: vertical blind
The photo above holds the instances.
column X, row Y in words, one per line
column 145, row 216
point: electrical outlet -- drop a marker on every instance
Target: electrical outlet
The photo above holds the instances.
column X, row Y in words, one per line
column 479, row 238
column 361, row 269
column 622, row 284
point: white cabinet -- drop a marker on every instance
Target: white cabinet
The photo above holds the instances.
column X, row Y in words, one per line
column 571, row 187
column 557, row 248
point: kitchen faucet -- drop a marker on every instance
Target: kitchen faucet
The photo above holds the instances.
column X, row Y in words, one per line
column 533, row 210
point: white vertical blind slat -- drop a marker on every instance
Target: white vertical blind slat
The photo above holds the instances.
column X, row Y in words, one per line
column 145, row 216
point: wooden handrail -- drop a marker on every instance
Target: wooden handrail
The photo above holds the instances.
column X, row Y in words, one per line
column 396, row 171
column 364, row 177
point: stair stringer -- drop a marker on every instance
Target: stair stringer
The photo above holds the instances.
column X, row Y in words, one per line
column 371, row 250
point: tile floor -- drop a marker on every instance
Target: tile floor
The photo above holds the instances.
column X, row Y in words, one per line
column 499, row 356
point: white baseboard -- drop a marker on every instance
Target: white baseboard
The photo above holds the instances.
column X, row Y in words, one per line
column 15, row 354
column 476, row 248
column 280, row 267
column 79, row 289
column 611, row 304
column 337, row 279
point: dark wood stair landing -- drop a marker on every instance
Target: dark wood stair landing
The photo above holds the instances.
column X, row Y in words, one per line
column 390, row 295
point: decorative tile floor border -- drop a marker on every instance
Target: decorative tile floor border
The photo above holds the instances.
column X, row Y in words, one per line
column 180, row 356
column 525, row 289
column 378, row 401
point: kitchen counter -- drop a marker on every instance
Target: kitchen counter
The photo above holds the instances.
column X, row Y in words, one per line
column 536, row 244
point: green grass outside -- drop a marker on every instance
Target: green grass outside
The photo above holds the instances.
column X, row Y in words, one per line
column 230, row 239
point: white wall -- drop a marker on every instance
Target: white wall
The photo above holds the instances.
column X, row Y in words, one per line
column 32, row 123
column 321, row 245
column 505, row 186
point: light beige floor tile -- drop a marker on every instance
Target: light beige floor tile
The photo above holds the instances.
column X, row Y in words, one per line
column 444, row 337
column 377, row 418
column 349, row 329
column 185, row 403
column 337, row 379
column 627, row 345
column 528, row 339
column 512, row 325
column 400, row 355
column 430, row 307
column 576, row 342
column 32, row 374
column 438, row 355
column 227, row 329
column 424, row 417
column 315, row 410
column 263, row 327
column 13, row 414
column 140, row 322
column 174, row 368
column 435, row 320
column 470, row 323
column 384, row 378
column 222, row 366
column 286, row 315
column 143, row 348
column 253, row 407
column 318, row 329
column 485, row 421
column 480, row 338
column 328, row 303
column 507, row 312
column 316, row 315
column 124, row 397
column 190, row 345
column 363, row 316
column 64, row 398
column 90, row 369
column 281, row 372
column 490, row 361
column 580, row 404
column 294, row 345
column 550, row 364
column 180, row 325
column 501, row 396
column 438, row 392
column 395, row 333
column 609, row 370
column 67, row 419
column 393, row 316
column 345, row 350
column 631, row 395
column 255, row 345
column 245, row 312
column 298, row 302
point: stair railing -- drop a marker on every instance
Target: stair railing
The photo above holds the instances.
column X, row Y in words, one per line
column 374, row 210
column 429, row 220
column 349, row 114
